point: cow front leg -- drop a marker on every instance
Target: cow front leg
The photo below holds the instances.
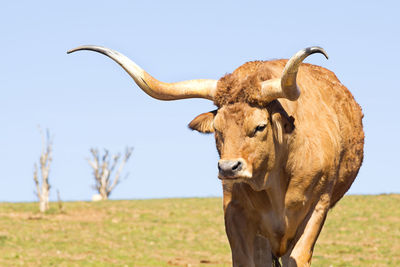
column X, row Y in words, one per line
column 262, row 252
column 301, row 253
column 241, row 235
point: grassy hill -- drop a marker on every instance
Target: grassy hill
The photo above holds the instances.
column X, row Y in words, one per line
column 359, row 231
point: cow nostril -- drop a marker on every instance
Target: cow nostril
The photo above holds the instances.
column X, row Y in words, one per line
column 219, row 166
column 237, row 166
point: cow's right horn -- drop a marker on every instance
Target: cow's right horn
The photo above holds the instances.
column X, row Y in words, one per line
column 286, row 86
column 203, row 88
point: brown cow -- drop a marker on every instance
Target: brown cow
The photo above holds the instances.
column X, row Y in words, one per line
column 286, row 157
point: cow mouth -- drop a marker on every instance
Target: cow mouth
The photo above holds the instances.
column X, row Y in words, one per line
column 233, row 177
column 228, row 177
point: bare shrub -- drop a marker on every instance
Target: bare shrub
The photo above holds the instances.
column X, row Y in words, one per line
column 104, row 167
column 42, row 182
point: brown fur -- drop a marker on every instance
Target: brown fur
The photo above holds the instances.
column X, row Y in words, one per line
column 296, row 169
column 203, row 122
column 243, row 85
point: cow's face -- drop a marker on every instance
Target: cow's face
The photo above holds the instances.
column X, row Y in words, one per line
column 248, row 139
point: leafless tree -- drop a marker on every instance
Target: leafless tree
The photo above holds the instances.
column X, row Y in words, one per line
column 43, row 186
column 103, row 169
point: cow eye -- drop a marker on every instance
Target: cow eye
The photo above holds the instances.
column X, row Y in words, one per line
column 260, row 128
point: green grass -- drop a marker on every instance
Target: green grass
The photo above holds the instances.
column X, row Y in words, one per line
column 359, row 231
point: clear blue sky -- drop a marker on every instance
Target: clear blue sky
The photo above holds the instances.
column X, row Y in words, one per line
column 87, row 100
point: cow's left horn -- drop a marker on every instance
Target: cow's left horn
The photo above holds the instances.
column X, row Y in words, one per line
column 286, row 86
column 204, row 88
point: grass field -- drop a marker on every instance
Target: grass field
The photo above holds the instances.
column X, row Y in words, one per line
column 359, row 231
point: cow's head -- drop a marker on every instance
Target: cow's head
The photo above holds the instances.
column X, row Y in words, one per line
column 248, row 137
column 250, row 126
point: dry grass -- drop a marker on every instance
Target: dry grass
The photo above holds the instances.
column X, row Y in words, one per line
column 360, row 231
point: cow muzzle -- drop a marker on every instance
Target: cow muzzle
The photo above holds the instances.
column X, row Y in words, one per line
column 233, row 169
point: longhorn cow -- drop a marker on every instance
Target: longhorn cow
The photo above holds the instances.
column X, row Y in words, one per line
column 290, row 140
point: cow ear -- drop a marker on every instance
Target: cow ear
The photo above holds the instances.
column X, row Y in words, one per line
column 204, row 122
column 282, row 125
column 277, row 127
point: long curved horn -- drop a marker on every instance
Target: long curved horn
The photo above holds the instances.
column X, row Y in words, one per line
column 204, row 88
column 286, row 86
